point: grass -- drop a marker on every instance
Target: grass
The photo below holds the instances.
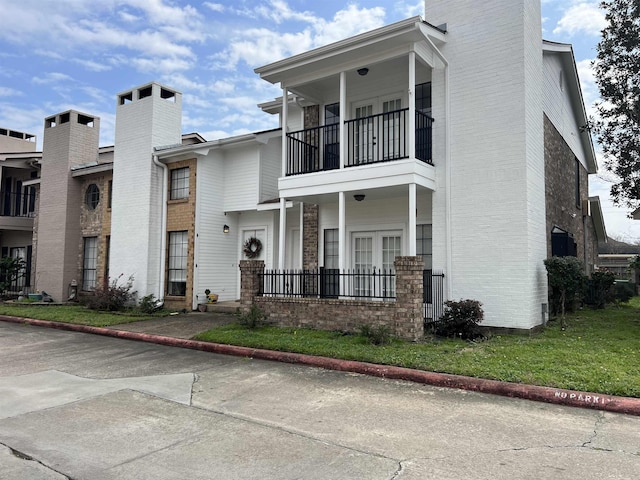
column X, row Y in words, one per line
column 598, row 352
column 73, row 314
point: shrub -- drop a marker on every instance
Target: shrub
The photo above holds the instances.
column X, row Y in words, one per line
column 380, row 335
column 149, row 304
column 254, row 318
column 460, row 319
column 601, row 282
column 566, row 280
column 112, row 297
column 623, row 292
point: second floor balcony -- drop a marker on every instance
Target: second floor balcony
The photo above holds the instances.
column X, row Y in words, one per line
column 384, row 137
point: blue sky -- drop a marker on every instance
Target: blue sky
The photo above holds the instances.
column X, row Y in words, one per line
column 63, row 54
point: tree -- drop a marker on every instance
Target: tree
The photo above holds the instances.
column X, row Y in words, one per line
column 11, row 270
column 566, row 279
column 617, row 72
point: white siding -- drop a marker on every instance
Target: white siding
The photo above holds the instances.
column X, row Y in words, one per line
column 215, row 253
column 557, row 104
column 270, row 167
column 241, row 174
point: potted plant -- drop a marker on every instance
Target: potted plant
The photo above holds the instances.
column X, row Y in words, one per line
column 211, row 297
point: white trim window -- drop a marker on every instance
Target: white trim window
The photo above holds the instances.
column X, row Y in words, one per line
column 177, row 269
column 89, row 263
column 179, row 183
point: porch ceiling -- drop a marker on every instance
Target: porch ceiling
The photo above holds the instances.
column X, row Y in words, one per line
column 376, row 46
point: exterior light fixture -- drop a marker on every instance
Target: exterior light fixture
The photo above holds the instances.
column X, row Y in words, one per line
column 225, row 229
column 359, row 197
column 363, row 71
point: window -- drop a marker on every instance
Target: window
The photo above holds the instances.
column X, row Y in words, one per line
column 423, row 98
column 110, row 193
column 178, row 249
column 330, row 285
column 424, row 245
column 89, row 262
column 92, row 196
column 179, row 183
column 18, row 282
column 332, row 136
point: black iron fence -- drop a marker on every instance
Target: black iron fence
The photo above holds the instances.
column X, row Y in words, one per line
column 372, row 139
column 433, row 296
column 329, row 283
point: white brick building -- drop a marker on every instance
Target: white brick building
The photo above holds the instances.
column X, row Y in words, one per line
column 434, row 138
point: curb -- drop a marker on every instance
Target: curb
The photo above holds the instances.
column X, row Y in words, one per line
column 610, row 403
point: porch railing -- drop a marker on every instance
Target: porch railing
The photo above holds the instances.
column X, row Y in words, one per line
column 329, row 283
column 433, row 296
column 373, row 139
column 17, row 204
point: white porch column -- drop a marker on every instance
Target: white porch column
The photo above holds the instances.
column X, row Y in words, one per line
column 282, row 236
column 412, row 106
column 301, row 237
column 342, row 248
column 412, row 219
column 285, row 119
column 343, row 117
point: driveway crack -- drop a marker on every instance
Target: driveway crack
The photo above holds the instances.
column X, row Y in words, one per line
column 29, row 458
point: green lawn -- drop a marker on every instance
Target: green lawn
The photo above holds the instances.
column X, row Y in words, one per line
column 599, row 351
column 71, row 314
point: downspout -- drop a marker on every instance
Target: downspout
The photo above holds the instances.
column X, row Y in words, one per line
column 447, row 159
column 163, row 227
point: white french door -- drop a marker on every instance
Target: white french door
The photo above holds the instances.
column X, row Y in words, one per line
column 375, row 251
column 364, row 140
column 391, row 128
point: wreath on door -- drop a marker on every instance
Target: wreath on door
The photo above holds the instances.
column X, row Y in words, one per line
column 252, row 247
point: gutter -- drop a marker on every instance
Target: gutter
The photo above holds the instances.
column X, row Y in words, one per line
column 163, row 227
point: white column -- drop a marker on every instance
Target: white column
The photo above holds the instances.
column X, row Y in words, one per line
column 412, row 219
column 301, row 239
column 412, row 106
column 343, row 117
column 282, row 236
column 342, row 248
column 283, row 126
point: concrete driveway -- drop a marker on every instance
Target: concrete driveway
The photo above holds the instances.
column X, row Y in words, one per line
column 80, row 406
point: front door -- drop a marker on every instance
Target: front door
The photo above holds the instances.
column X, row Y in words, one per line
column 373, row 255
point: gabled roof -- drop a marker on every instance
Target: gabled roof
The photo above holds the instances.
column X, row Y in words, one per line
column 598, row 219
column 565, row 52
column 365, row 47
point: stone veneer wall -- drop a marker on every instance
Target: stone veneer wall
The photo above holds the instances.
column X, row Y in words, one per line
column 181, row 215
column 95, row 223
column 561, row 209
column 310, row 211
column 404, row 316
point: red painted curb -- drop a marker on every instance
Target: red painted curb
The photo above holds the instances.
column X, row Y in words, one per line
column 610, row 403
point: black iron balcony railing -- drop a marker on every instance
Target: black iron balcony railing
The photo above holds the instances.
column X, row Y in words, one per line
column 17, row 204
column 373, row 139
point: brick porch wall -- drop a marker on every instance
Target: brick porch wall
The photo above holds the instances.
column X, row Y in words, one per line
column 403, row 316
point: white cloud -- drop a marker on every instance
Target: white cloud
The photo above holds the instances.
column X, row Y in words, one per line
column 583, row 17
column 9, row 92
column 410, row 9
column 216, row 7
column 51, row 77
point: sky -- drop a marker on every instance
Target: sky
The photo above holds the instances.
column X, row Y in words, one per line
column 79, row 54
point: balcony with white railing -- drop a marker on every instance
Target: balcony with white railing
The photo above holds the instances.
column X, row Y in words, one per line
column 384, row 137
